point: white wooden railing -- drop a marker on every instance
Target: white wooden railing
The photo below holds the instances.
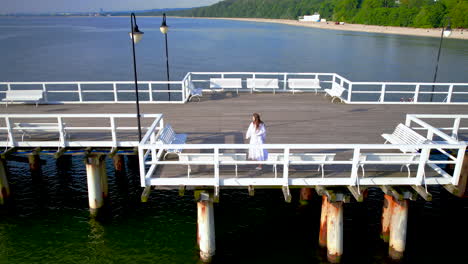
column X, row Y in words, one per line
column 65, row 130
column 457, row 125
column 102, row 92
column 156, row 91
column 151, row 150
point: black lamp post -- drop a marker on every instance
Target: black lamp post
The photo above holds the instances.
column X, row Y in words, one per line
column 136, row 36
column 445, row 33
column 164, row 29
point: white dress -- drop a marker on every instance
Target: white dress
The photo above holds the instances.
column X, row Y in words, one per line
column 257, row 137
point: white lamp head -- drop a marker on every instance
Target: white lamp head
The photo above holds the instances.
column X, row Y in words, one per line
column 164, row 28
column 137, row 35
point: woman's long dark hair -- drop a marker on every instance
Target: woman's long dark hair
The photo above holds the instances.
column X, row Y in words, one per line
column 257, row 121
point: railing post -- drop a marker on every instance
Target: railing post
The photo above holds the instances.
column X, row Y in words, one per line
column 9, row 86
column 141, row 162
column 425, row 152
column 456, row 126
column 334, row 78
column 286, row 167
column 61, row 131
column 430, row 134
column 116, row 97
column 350, row 91
column 44, row 89
column 382, row 93
column 80, row 95
column 216, row 172
column 416, row 94
column 150, row 91
column 222, row 75
column 450, row 93
column 355, row 167
column 11, row 138
column 408, row 121
column 458, row 165
column 114, row 132
column 284, row 81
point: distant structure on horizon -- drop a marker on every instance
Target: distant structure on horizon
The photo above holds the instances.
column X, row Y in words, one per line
column 314, row 18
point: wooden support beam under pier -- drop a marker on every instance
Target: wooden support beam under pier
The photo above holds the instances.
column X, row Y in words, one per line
column 422, row 192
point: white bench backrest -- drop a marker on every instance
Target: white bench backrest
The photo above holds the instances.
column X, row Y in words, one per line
column 304, row 83
column 209, row 157
column 262, row 83
column 338, row 89
column 408, row 135
column 313, row 157
column 220, row 83
column 167, row 135
column 394, row 157
column 24, row 94
column 31, row 127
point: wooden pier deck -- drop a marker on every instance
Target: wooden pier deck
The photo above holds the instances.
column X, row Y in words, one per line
column 290, row 119
column 222, row 118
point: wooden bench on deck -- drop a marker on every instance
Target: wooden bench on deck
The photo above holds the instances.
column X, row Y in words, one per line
column 168, row 136
column 301, row 159
column 403, row 135
column 23, row 96
column 304, row 84
column 226, row 83
column 28, row 129
column 209, row 158
column 262, row 83
column 335, row 92
column 393, row 158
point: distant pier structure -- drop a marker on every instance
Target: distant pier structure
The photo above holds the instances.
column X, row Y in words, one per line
column 319, row 147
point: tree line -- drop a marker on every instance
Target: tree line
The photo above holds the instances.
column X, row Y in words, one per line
column 404, row 13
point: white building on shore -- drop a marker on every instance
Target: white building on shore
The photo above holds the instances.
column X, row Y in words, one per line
column 313, row 18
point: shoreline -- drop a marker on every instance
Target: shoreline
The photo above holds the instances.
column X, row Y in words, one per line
column 330, row 25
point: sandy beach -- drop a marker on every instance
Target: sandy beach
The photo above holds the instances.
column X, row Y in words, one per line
column 423, row 32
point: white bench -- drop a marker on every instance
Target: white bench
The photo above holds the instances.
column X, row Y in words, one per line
column 168, row 136
column 304, row 84
column 335, row 92
column 262, row 83
column 403, row 135
column 226, row 83
column 194, row 92
column 23, row 96
column 209, row 159
column 28, row 129
column 391, row 158
column 301, row 159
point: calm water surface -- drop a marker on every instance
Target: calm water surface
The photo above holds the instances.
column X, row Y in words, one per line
column 49, row 222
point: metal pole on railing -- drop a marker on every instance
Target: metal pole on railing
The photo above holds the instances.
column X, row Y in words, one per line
column 136, row 36
column 164, row 29
column 445, row 32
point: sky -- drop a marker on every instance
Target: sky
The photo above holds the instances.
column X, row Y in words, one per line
column 50, row 6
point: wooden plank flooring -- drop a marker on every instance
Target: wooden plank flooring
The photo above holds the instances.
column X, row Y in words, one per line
column 299, row 118
column 224, row 118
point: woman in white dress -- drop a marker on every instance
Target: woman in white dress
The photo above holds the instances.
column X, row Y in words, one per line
column 257, row 134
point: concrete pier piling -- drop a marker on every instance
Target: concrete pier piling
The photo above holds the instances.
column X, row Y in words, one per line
column 97, row 182
column 323, row 222
column 305, row 196
column 386, row 217
column 206, row 227
column 335, row 232
column 4, row 187
column 398, row 227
